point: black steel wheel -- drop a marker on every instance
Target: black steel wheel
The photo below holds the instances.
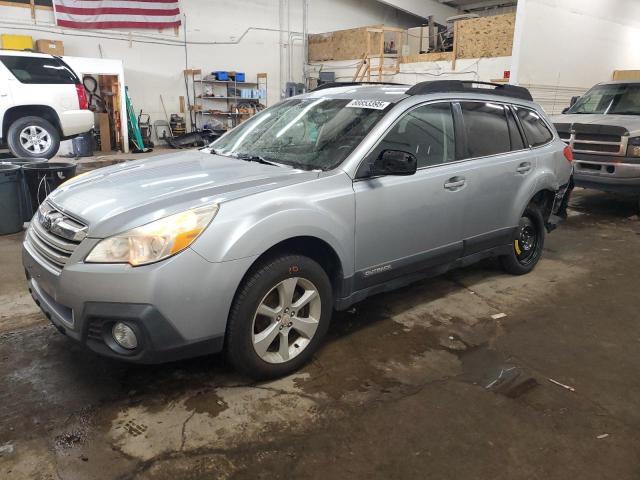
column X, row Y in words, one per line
column 527, row 243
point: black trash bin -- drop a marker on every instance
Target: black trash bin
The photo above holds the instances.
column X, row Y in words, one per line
column 25, row 202
column 43, row 179
column 10, row 215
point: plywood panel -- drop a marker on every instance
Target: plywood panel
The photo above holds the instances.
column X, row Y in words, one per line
column 428, row 57
column 626, row 75
column 485, row 36
column 342, row 44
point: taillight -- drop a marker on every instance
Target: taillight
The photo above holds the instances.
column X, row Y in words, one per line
column 82, row 97
column 568, row 153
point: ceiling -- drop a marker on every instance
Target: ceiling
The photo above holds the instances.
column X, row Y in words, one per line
column 475, row 5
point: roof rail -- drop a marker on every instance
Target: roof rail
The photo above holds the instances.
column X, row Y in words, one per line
column 467, row 86
column 351, row 84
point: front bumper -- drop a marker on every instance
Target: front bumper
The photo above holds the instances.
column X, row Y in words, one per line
column 178, row 307
column 607, row 173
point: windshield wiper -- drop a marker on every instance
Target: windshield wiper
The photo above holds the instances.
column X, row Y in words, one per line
column 257, row 159
column 213, row 151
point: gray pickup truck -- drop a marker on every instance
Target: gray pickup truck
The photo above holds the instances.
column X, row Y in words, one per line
column 316, row 203
column 603, row 129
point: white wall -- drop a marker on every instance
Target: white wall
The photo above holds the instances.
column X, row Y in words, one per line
column 241, row 35
column 563, row 47
column 479, row 69
column 424, row 8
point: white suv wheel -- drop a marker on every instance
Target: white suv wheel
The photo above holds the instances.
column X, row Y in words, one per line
column 35, row 139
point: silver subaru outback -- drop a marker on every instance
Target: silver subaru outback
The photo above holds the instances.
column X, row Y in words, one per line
column 249, row 244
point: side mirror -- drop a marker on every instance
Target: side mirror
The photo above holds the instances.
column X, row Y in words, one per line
column 565, row 110
column 395, row 162
column 573, row 100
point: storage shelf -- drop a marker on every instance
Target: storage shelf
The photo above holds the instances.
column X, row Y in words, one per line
column 229, row 98
column 221, row 113
column 225, row 82
column 223, row 96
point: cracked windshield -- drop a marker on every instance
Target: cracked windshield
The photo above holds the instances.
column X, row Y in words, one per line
column 311, row 134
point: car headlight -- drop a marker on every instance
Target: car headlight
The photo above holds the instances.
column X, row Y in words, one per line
column 154, row 241
column 633, row 150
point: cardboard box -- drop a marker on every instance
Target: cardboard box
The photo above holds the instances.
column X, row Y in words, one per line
column 16, row 42
column 53, row 47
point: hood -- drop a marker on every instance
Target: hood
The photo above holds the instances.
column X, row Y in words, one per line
column 631, row 123
column 113, row 199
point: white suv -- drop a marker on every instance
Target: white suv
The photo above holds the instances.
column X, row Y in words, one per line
column 42, row 101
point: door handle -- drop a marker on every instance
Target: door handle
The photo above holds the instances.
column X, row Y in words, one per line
column 455, row 183
column 524, row 167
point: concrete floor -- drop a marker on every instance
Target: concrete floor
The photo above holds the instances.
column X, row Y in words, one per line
column 399, row 389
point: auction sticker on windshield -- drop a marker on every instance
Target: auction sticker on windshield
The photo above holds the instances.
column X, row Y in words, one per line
column 374, row 104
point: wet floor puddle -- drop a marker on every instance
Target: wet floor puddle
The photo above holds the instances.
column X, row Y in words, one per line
column 490, row 370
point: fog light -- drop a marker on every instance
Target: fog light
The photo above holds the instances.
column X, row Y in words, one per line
column 124, row 336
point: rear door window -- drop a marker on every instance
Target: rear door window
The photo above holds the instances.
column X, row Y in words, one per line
column 517, row 142
column 486, row 128
column 426, row 131
column 39, row 70
column 535, row 129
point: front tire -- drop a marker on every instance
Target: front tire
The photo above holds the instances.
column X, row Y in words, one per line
column 33, row 137
column 527, row 244
column 279, row 316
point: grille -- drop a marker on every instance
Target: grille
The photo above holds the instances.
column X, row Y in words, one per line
column 597, row 137
column 55, row 236
column 94, row 331
column 596, row 143
column 596, row 147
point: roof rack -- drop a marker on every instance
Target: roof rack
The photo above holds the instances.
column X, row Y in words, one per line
column 467, row 86
column 351, row 84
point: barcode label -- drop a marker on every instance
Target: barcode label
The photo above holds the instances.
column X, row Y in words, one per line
column 374, row 104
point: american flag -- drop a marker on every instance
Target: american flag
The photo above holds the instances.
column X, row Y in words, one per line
column 117, row 13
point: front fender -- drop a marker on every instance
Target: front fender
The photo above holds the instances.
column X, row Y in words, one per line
column 250, row 226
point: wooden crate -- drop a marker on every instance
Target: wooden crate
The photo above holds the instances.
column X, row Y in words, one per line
column 342, row 44
column 626, row 75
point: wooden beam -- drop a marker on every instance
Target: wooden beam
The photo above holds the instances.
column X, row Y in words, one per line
column 24, row 5
column 381, row 58
column 368, row 52
column 455, row 45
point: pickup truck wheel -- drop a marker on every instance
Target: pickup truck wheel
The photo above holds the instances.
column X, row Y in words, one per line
column 279, row 316
column 527, row 244
column 33, row 137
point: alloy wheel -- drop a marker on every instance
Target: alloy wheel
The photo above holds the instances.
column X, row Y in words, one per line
column 35, row 139
column 286, row 320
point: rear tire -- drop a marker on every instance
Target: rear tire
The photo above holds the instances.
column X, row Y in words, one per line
column 279, row 316
column 527, row 244
column 33, row 137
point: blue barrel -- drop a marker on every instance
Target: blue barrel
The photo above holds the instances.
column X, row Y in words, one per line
column 10, row 214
